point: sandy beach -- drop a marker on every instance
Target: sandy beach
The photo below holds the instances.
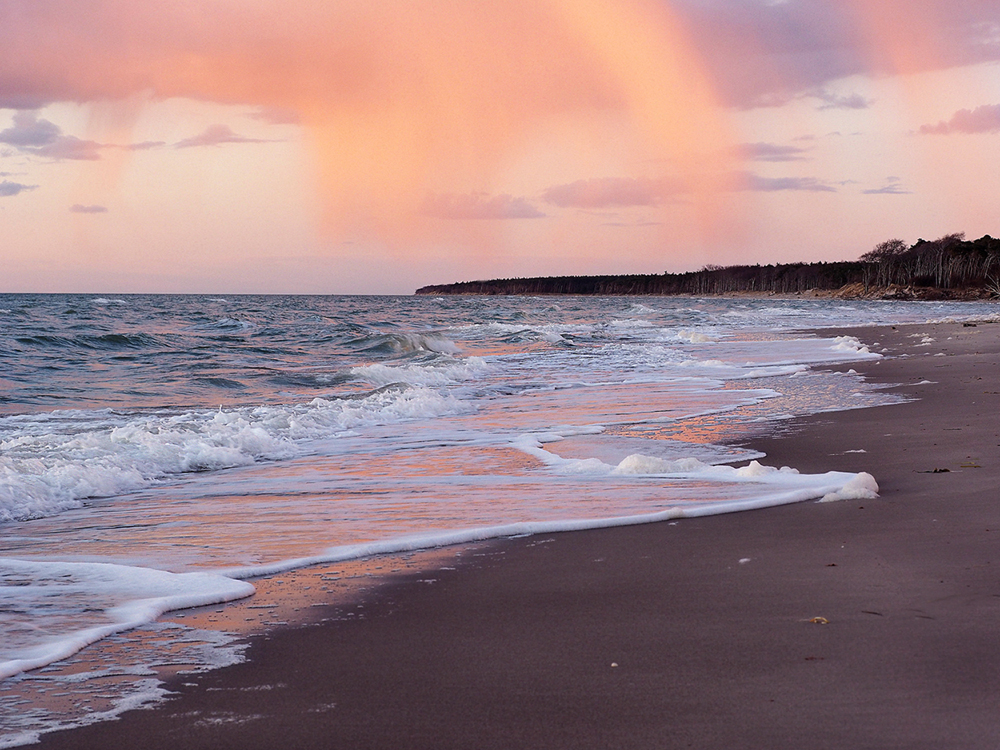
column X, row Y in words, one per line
column 823, row 625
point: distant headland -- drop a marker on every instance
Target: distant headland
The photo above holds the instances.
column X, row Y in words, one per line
column 950, row 267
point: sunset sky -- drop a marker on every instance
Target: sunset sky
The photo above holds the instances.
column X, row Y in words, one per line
column 373, row 146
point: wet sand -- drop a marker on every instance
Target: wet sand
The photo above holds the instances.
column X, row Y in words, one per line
column 871, row 624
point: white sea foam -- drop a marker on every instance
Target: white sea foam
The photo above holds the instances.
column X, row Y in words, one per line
column 427, row 375
column 694, row 469
column 640, row 309
column 50, row 465
column 783, row 486
column 74, row 604
column 697, row 337
column 27, row 728
column 55, row 596
column 638, row 464
column 862, row 487
column 631, row 323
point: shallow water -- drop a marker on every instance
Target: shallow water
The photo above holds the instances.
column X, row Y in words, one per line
column 156, row 450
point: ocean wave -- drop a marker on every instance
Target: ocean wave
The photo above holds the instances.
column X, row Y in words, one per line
column 224, row 324
column 425, row 375
column 313, row 379
column 404, row 343
column 220, row 382
column 519, row 333
column 102, row 341
column 52, row 463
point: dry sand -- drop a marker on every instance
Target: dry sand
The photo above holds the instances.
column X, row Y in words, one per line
column 694, row 634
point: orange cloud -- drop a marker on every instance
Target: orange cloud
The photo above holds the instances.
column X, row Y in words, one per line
column 400, row 98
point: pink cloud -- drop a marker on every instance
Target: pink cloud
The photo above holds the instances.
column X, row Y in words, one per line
column 479, row 206
column 70, row 147
column 605, row 192
column 984, row 119
column 215, row 135
column 52, row 50
column 144, row 146
column 397, row 97
column 276, row 115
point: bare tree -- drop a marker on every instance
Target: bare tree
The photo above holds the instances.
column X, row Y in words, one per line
column 884, row 264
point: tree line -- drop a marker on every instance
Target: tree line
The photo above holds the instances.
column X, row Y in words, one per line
column 946, row 263
column 945, row 267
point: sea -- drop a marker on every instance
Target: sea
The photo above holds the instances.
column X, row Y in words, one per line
column 164, row 452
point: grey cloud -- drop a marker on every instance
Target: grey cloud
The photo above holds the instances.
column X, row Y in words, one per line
column 8, row 188
column 80, row 209
column 215, row 135
column 30, row 135
column 622, row 192
column 887, row 190
column 851, row 101
column 28, row 131
column 892, row 187
column 771, row 152
column 479, row 206
column 767, row 54
column 984, row 119
column 756, row 183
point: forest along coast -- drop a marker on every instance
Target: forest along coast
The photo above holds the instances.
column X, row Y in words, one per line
column 949, row 267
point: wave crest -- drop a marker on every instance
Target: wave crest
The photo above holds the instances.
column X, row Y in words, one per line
column 54, row 465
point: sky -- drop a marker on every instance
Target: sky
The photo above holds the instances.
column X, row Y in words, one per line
column 374, row 146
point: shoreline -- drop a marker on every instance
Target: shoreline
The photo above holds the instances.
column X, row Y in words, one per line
column 706, row 620
column 851, row 292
